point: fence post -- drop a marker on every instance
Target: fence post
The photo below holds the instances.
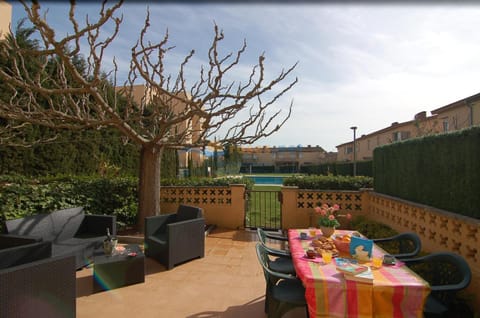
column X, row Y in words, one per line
column 292, row 217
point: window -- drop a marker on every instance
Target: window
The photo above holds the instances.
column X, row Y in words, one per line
column 445, row 125
column 400, row 135
column 348, row 150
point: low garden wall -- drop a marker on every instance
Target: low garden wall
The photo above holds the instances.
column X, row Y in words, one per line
column 222, row 206
column 439, row 230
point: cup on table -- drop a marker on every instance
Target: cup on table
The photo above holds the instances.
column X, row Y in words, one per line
column 303, row 235
column 327, row 257
column 377, row 261
column 312, row 231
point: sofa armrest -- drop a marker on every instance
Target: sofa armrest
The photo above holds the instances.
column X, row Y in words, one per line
column 44, row 288
column 158, row 222
column 23, row 254
column 98, row 224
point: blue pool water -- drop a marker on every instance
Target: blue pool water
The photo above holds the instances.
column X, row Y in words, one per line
column 266, row 179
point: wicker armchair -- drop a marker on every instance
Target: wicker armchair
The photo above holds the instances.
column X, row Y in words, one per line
column 175, row 238
column 42, row 288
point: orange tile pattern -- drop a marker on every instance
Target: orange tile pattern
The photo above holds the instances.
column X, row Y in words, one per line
column 227, row 282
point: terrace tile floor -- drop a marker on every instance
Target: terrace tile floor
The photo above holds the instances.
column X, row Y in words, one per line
column 227, row 282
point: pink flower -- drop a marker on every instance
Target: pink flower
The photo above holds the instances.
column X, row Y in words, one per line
column 327, row 215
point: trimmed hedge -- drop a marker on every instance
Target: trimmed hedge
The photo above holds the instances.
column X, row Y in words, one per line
column 442, row 171
column 364, row 168
column 329, row 182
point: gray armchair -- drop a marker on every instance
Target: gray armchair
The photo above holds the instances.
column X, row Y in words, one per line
column 175, row 238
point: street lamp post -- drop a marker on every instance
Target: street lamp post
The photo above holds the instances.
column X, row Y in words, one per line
column 354, row 128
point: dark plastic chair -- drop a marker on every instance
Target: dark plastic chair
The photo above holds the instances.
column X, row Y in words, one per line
column 264, row 236
column 274, row 236
column 175, row 238
column 283, row 292
column 404, row 245
column 281, row 260
column 447, row 273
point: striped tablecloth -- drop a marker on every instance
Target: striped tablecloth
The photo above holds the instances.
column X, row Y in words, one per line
column 396, row 291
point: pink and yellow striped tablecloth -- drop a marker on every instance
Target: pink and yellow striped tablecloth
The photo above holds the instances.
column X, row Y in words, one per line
column 396, row 291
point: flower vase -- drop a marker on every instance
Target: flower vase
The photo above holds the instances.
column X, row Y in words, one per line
column 327, row 231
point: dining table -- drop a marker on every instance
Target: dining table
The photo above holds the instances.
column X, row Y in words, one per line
column 395, row 291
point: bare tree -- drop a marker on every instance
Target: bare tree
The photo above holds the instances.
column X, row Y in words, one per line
column 59, row 95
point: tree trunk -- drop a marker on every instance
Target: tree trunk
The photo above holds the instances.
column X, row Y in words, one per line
column 149, row 183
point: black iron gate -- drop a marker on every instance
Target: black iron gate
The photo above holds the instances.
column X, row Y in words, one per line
column 264, row 209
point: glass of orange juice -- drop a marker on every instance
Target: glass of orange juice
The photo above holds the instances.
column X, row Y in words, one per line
column 327, row 257
column 312, row 231
column 377, row 261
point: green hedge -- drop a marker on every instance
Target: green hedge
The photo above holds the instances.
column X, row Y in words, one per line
column 21, row 196
column 364, row 168
column 442, row 171
column 329, row 182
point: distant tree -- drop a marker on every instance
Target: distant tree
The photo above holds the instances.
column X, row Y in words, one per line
column 59, row 94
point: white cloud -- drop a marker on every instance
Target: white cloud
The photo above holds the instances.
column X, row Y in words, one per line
column 366, row 65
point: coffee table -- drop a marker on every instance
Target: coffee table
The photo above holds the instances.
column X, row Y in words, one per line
column 118, row 270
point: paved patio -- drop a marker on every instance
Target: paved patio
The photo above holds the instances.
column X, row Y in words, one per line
column 227, row 282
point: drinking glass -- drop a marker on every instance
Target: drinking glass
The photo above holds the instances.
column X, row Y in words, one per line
column 327, row 257
column 377, row 261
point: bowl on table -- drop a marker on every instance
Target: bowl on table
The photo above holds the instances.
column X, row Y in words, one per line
column 342, row 242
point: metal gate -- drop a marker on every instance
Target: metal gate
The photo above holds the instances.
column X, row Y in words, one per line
column 264, row 209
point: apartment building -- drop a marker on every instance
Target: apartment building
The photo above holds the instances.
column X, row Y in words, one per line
column 5, row 18
column 458, row 115
column 143, row 95
column 289, row 159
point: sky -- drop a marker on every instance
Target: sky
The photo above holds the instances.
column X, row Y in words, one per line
column 359, row 64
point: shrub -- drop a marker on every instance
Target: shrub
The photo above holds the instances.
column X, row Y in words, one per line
column 329, row 182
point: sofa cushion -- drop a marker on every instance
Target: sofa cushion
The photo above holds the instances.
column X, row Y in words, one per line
column 67, row 222
column 55, row 226
column 74, row 245
column 23, row 254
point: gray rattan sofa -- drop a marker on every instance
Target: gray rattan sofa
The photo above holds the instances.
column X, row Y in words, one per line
column 71, row 232
column 175, row 238
column 16, row 250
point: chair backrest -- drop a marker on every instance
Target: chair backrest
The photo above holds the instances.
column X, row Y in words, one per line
column 409, row 242
column 446, row 272
column 262, row 236
column 187, row 212
column 403, row 245
column 262, row 255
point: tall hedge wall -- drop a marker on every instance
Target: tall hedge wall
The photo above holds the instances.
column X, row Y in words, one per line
column 442, row 171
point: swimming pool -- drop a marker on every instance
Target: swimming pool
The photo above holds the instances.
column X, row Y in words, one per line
column 266, row 179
